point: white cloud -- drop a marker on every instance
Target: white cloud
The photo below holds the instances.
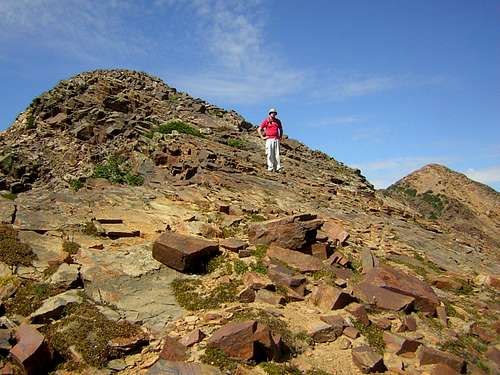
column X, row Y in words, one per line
column 486, row 175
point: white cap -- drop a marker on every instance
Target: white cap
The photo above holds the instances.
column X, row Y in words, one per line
column 272, row 110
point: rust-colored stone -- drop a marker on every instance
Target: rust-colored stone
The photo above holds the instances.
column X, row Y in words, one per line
column 429, row 356
column 183, row 252
column 295, row 259
column 173, row 350
column 31, row 350
column 233, row 244
column 399, row 344
column 193, row 337
column 235, row 339
column 367, row 359
column 383, row 298
column 329, row 298
column 358, row 311
column 335, row 232
column 256, row 281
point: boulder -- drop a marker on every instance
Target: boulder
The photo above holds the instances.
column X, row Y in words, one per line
column 321, row 331
column 233, row 244
column 399, row 344
column 383, row 298
column 336, row 232
column 320, row 250
column 299, row 261
column 367, row 359
column 338, row 258
column 235, row 339
column 257, row 281
column 266, row 296
column 358, row 311
column 31, row 350
column 429, row 356
column 336, row 322
column 399, row 282
column 368, row 260
column 182, row 252
column 329, row 298
column 173, row 350
column 66, row 275
column 286, row 277
column 193, row 337
column 291, row 232
column 351, row 332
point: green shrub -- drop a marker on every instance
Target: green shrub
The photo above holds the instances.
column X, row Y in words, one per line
column 179, row 126
column 216, row 357
column 75, row 184
column 240, row 267
column 373, row 334
column 70, row 247
column 236, row 143
column 117, row 171
column 30, row 121
column 10, row 196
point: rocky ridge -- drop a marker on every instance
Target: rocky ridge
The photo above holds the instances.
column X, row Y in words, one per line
column 212, row 264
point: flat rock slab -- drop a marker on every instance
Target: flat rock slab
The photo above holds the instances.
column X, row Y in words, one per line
column 368, row 360
column 48, row 249
column 66, row 274
column 430, row 356
column 335, row 232
column 7, row 210
column 133, row 281
column 163, row 367
column 327, row 297
column 183, row 252
column 31, row 350
column 383, row 298
column 52, row 307
column 397, row 281
column 295, row 259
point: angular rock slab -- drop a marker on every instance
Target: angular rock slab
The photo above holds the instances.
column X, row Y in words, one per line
column 52, row 307
column 329, row 298
column 291, row 232
column 31, row 350
column 7, row 210
column 163, row 367
column 400, row 345
column 235, row 339
column 397, row 281
column 383, row 298
column 368, row 360
column 295, row 259
column 335, row 232
column 183, row 252
column 429, row 356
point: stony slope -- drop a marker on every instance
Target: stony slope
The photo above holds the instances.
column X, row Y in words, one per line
column 66, row 228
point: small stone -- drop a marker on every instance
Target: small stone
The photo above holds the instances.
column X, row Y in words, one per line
column 351, row 332
column 267, row 296
column 247, row 295
column 173, row 350
column 359, row 312
column 367, row 359
column 344, row 343
column 117, row 364
column 192, row 338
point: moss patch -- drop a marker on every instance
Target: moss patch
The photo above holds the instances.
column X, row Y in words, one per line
column 218, row 358
column 13, row 252
column 70, row 247
column 29, row 297
column 89, row 331
column 273, row 368
column 373, row 334
column 191, row 295
column 468, row 347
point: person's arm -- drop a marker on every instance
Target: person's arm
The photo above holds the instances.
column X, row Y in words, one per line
column 281, row 130
column 259, row 130
column 261, row 127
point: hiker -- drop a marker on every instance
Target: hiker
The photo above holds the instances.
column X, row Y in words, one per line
column 273, row 133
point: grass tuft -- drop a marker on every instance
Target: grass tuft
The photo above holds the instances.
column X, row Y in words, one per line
column 13, row 252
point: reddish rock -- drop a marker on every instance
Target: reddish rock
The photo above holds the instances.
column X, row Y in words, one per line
column 399, row 344
column 244, row 253
column 235, row 339
column 446, row 282
column 442, row 315
column 338, row 258
column 183, row 252
column 335, row 232
column 441, row 369
column 284, row 276
column 429, row 356
column 233, row 244
column 367, row 359
column 496, row 327
column 173, row 350
column 483, row 333
column 493, row 353
column 342, row 273
column 295, row 259
column 290, row 294
column 329, row 298
column 266, row 343
column 320, row 331
column 291, row 232
column 358, row 311
column 257, row 281
column 31, row 350
column 320, row 250
column 399, row 282
column 247, row 295
column 266, row 296
column 194, row 337
column 351, row 332
column 336, row 322
column 121, row 345
column 411, row 323
column 383, row 298
column 368, row 260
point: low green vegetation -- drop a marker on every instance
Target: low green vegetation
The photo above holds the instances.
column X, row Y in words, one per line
column 30, row 121
column 89, row 332
column 240, row 267
column 256, row 218
column 29, row 297
column 273, row 368
column 436, row 201
column 190, row 295
column 117, row 171
column 90, row 229
column 175, row 125
column 70, row 247
column 466, row 346
column 216, row 357
column 220, row 262
column 13, row 252
column 9, row 195
column 237, row 143
column 372, row 333
column 76, row 184
column 259, row 253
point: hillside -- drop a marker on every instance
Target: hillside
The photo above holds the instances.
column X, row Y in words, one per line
column 140, row 233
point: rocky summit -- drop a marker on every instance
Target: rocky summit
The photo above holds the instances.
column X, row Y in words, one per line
column 140, row 233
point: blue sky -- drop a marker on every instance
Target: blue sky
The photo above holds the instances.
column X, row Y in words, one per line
column 385, row 86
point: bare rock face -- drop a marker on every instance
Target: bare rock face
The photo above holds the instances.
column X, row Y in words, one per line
column 397, row 281
column 383, row 298
column 291, row 232
column 295, row 259
column 183, row 252
column 173, row 350
column 336, row 232
column 31, row 350
column 368, row 360
column 173, row 367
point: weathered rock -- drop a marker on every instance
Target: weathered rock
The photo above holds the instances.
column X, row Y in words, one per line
column 53, row 307
column 7, row 210
column 393, row 362
column 267, row 344
column 383, row 323
column 247, row 295
column 122, row 345
column 173, row 350
column 442, row 315
column 358, row 311
column 344, row 343
column 336, row 322
column 284, row 276
column 301, row 262
column 368, row 260
column 351, row 332
column 335, row 232
column 397, row 281
column 31, row 350
column 233, row 244
column 183, row 252
column 493, row 353
column 66, row 275
column 163, row 367
column 368, row 360
column 429, row 356
column 5, row 336
column 291, row 232
column 320, row 331
column 320, row 250
column 329, row 298
column 256, row 281
column 235, row 339
column 194, row 337
column 266, row 296
column 338, row 258
column 399, row 344
column 115, row 231
column 441, row 369
column 383, row 298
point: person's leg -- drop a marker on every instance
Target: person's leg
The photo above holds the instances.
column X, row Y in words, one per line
column 269, row 154
column 277, row 156
column 274, row 144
